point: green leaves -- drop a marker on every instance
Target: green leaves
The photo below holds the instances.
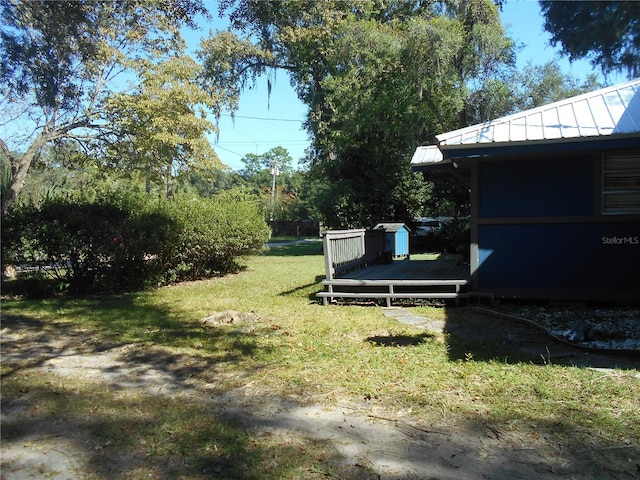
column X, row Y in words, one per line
column 123, row 240
column 64, row 69
column 164, row 121
column 379, row 78
column 606, row 32
column 229, row 64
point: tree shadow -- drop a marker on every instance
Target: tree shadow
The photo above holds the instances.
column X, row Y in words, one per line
column 119, row 402
column 158, row 437
column 126, row 333
column 159, row 413
column 399, row 340
column 484, row 337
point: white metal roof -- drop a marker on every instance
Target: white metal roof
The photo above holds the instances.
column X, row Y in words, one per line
column 426, row 155
column 608, row 111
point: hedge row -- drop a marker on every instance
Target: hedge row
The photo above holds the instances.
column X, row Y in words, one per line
column 127, row 241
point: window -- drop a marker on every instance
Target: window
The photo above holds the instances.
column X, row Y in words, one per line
column 621, row 182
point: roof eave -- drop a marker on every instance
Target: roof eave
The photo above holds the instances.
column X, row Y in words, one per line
column 451, row 151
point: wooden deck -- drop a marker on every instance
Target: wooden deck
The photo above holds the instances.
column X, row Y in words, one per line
column 416, row 268
column 418, row 277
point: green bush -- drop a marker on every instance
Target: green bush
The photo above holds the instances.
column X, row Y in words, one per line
column 210, row 236
column 125, row 241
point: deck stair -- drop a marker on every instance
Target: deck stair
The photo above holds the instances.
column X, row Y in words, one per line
column 391, row 289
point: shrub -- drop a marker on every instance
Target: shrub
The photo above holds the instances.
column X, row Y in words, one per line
column 210, row 235
column 129, row 241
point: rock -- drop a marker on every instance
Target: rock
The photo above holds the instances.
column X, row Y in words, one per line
column 230, row 317
column 582, row 332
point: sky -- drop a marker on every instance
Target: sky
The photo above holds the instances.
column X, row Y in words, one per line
column 263, row 122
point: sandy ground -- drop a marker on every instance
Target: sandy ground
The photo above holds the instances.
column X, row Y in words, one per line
column 384, row 444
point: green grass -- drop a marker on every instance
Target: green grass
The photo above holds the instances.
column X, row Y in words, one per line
column 306, row 352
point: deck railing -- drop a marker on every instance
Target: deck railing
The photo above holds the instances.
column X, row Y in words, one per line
column 348, row 249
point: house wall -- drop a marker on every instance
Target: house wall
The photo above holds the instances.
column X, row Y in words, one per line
column 538, row 231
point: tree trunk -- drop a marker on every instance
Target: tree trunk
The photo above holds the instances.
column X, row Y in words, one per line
column 20, row 165
column 147, row 186
column 169, row 182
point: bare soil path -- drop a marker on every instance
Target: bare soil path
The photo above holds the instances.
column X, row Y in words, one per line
column 372, row 442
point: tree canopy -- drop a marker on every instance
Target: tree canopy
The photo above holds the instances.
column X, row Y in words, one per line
column 379, row 78
column 606, row 32
column 163, row 124
column 61, row 64
column 111, row 82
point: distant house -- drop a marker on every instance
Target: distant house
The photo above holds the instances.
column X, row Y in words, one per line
column 555, row 197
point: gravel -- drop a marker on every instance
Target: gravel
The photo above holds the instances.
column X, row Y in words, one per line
column 600, row 328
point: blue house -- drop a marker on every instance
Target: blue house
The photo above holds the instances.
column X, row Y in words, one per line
column 555, row 197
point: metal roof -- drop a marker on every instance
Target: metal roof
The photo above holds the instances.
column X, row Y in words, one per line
column 426, row 154
column 391, row 227
column 608, row 111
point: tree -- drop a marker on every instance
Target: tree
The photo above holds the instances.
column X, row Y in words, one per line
column 271, row 176
column 209, row 182
column 606, row 32
column 256, row 165
column 61, row 62
column 537, row 85
column 163, row 124
column 379, row 78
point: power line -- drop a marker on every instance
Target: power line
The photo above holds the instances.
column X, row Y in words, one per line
column 265, row 142
column 263, row 118
column 227, row 150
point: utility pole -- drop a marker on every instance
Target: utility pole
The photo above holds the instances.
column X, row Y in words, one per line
column 275, row 171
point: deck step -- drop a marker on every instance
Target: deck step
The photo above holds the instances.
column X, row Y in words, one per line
column 388, row 289
column 393, row 295
column 348, row 282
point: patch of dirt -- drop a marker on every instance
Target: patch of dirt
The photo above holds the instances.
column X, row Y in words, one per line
column 230, row 317
column 373, row 442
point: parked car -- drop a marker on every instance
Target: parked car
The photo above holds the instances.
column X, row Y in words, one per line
column 426, row 226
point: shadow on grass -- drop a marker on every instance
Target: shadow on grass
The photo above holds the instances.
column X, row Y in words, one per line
column 119, row 402
column 399, row 340
column 154, row 437
column 488, row 338
column 106, row 324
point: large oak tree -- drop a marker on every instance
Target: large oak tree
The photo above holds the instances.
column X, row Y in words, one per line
column 379, row 78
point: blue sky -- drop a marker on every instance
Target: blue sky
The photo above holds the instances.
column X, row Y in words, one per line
column 262, row 123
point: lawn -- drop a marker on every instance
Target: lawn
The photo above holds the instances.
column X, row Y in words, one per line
column 298, row 351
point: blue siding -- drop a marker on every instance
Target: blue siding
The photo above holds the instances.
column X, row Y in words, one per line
column 401, row 243
column 588, row 257
column 396, row 239
column 555, row 187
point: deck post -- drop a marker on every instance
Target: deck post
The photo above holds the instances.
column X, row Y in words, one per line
column 343, row 249
column 328, row 256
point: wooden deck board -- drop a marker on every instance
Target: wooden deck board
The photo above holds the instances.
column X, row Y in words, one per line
column 440, row 269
